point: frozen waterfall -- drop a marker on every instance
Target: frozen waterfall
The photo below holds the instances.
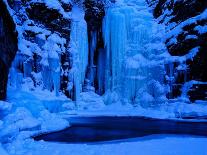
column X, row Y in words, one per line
column 79, row 52
column 129, row 66
column 134, row 69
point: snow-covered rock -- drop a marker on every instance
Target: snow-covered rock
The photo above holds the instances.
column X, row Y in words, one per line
column 90, row 101
column 51, row 122
column 20, row 120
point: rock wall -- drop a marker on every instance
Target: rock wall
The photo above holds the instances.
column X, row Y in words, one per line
column 186, row 36
column 8, row 46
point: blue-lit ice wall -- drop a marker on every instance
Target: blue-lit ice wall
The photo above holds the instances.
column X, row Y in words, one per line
column 79, row 52
column 38, row 66
column 134, row 51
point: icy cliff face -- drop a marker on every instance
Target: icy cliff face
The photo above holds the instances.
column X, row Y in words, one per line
column 116, row 51
column 43, row 44
column 186, row 35
column 112, row 48
column 134, row 54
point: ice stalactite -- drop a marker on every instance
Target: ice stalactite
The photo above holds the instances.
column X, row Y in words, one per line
column 91, row 66
column 79, row 52
column 114, row 33
column 38, row 66
column 51, row 66
column 101, row 71
column 134, row 66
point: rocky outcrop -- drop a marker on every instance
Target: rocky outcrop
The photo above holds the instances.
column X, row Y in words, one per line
column 52, row 19
column 8, row 46
column 186, row 36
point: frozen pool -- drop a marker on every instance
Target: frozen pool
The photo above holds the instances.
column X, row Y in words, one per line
column 99, row 129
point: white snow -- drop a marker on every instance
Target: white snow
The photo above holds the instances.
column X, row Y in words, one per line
column 51, row 122
column 2, row 151
column 90, row 101
column 54, row 5
column 178, row 29
column 156, row 145
column 181, row 59
column 201, row 29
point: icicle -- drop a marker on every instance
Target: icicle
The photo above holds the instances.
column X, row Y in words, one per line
column 79, row 51
column 115, row 36
column 101, row 71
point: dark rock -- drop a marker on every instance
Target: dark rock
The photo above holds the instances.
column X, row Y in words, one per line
column 50, row 18
column 178, row 12
column 66, row 7
column 8, row 46
column 94, row 14
column 193, row 92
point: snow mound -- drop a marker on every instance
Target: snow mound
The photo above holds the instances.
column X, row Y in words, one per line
column 20, row 120
column 90, row 101
column 51, row 122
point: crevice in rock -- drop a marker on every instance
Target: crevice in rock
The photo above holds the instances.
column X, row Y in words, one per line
column 94, row 13
column 8, row 46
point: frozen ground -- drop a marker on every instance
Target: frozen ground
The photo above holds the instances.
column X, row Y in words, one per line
column 157, row 145
column 91, row 104
column 27, row 113
column 177, row 110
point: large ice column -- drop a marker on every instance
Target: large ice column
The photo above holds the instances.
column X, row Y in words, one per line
column 79, row 40
column 131, row 61
column 51, row 65
column 79, row 50
column 114, row 32
column 21, row 68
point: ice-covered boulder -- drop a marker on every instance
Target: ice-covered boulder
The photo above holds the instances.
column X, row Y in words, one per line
column 20, row 120
column 51, row 122
column 90, row 101
column 5, row 108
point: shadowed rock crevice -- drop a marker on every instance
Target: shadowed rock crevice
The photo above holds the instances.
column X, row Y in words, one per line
column 8, row 46
column 94, row 14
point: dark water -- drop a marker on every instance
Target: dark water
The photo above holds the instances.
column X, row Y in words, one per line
column 98, row 129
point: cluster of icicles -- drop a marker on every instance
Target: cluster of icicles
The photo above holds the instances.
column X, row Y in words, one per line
column 128, row 66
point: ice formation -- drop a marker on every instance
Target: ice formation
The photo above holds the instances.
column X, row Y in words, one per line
column 24, row 65
column 133, row 54
column 79, row 52
column 130, row 65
